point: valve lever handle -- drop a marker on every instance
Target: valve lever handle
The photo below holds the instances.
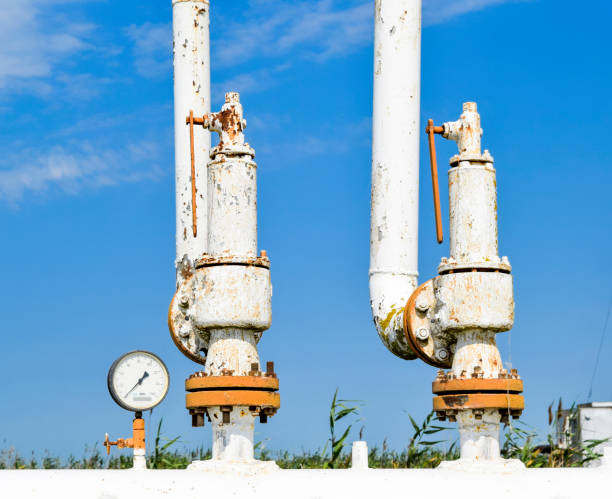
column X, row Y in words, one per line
column 194, row 215
column 108, row 444
column 431, row 130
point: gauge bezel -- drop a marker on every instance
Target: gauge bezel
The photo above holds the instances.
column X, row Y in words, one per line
column 115, row 396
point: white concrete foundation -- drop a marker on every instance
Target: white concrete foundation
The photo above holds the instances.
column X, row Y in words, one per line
column 296, row 484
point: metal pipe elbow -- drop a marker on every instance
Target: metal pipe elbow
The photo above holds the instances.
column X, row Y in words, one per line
column 389, row 293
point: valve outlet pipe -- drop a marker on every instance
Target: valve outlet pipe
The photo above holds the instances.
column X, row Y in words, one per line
column 395, row 167
column 191, row 42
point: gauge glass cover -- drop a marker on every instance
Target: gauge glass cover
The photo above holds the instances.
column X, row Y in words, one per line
column 138, row 381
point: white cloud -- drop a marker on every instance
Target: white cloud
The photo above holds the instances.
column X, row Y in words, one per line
column 255, row 81
column 152, row 48
column 83, row 86
column 71, row 169
column 276, row 29
column 333, row 139
column 316, row 29
column 440, row 11
column 32, row 45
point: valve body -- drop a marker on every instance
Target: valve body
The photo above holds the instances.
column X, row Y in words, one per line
column 219, row 313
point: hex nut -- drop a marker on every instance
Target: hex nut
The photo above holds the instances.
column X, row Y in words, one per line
column 422, row 333
column 422, row 305
column 442, row 354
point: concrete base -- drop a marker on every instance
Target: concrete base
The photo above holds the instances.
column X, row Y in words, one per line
column 234, row 467
column 489, row 466
column 568, row 483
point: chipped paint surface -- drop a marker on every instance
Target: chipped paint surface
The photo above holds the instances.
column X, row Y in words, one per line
column 479, row 438
column 473, row 300
column 473, row 209
column 476, row 351
column 235, row 350
column 191, row 46
column 395, row 167
column 237, row 296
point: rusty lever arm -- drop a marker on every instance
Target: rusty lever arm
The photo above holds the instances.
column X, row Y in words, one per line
column 431, row 130
column 192, row 120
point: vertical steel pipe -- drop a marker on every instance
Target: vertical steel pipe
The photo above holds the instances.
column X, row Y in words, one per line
column 191, row 42
column 395, row 167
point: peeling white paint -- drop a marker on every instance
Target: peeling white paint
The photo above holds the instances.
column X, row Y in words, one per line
column 191, row 42
column 395, row 167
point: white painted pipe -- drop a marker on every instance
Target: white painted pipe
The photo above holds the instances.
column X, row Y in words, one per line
column 139, row 459
column 234, row 349
column 233, row 441
column 479, row 438
column 191, row 40
column 359, row 455
column 476, row 348
column 395, row 167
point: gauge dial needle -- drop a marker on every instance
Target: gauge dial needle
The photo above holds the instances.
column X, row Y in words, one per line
column 138, row 383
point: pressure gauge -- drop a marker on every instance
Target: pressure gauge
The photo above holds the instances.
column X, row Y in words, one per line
column 138, row 381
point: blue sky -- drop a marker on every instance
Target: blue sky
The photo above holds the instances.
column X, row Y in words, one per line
column 87, row 201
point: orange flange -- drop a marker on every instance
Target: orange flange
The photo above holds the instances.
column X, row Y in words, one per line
column 414, row 319
column 175, row 314
column 252, row 398
column 462, row 385
column 198, row 383
column 463, row 401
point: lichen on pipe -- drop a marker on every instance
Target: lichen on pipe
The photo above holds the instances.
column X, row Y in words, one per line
column 395, row 167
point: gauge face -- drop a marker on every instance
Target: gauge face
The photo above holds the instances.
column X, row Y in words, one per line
column 138, row 381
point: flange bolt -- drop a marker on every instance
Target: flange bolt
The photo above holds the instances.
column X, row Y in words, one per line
column 442, row 354
column 422, row 333
column 422, row 305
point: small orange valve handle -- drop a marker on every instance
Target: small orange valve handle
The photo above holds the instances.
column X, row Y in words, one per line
column 136, row 442
column 431, row 130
